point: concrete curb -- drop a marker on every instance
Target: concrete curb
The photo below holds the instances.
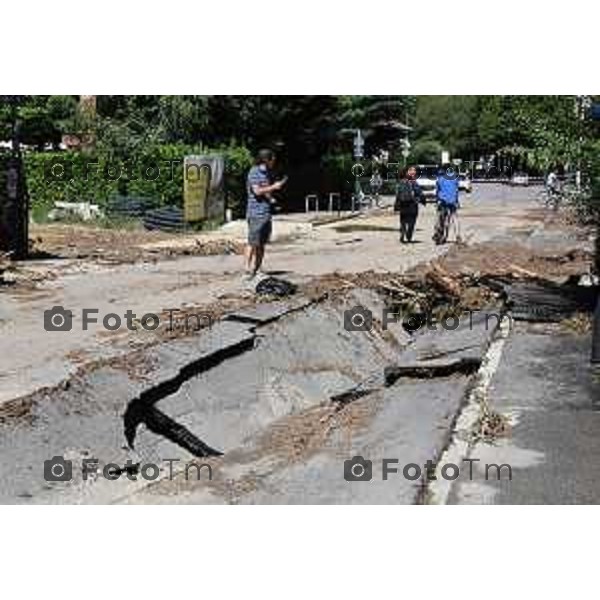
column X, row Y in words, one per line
column 459, row 446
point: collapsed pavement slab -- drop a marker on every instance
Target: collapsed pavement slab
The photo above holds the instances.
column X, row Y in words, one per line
column 261, row 314
column 408, row 422
column 188, row 397
column 301, row 361
column 84, row 417
column 457, row 346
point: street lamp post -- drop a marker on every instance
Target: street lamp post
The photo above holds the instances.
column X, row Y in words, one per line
column 359, row 144
column 405, row 148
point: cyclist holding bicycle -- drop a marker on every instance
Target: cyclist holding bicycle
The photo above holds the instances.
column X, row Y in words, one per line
column 446, row 195
column 553, row 189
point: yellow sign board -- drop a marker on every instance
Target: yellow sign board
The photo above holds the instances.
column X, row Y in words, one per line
column 203, row 188
column 196, row 185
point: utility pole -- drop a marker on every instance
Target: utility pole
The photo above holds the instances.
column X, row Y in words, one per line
column 14, row 209
column 358, row 155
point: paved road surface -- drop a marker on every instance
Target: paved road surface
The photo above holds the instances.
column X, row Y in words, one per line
column 265, row 402
column 33, row 358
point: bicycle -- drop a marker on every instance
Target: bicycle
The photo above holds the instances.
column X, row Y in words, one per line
column 446, row 216
column 553, row 199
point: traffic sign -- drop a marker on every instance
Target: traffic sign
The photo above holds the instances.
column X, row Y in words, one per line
column 358, row 144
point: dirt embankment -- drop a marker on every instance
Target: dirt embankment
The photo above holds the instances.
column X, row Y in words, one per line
column 123, row 246
column 514, row 259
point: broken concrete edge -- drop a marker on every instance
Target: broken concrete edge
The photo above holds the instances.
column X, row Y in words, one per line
column 268, row 312
column 430, row 369
column 141, row 409
column 459, row 444
column 20, row 405
column 197, row 448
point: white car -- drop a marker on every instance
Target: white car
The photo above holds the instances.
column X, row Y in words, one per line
column 520, row 179
column 427, row 179
column 465, row 184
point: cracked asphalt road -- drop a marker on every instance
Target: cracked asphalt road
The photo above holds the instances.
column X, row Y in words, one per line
column 33, row 358
column 267, row 408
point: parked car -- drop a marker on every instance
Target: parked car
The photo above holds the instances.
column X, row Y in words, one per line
column 464, row 183
column 427, row 176
column 521, row 179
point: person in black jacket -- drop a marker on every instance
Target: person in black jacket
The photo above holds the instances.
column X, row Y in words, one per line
column 408, row 197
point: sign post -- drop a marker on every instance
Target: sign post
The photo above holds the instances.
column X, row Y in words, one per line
column 358, row 154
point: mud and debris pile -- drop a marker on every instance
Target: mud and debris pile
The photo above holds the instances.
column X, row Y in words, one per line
column 536, row 283
column 120, row 246
column 427, row 289
column 516, row 260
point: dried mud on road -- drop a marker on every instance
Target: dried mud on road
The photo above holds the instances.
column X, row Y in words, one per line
column 120, row 246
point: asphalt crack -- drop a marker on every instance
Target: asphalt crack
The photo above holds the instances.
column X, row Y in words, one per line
column 142, row 410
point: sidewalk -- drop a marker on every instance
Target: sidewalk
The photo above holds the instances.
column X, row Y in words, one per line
column 546, row 388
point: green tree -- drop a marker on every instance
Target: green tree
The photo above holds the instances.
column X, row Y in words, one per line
column 42, row 119
column 449, row 121
column 182, row 118
column 426, row 151
column 544, row 130
column 382, row 119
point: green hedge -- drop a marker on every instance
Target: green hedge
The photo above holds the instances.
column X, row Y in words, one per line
column 91, row 177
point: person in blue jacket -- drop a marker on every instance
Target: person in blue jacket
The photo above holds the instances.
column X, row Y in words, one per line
column 446, row 195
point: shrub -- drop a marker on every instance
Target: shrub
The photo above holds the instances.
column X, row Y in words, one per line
column 155, row 172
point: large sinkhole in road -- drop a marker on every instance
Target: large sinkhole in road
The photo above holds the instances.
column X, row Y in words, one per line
column 280, row 363
column 217, row 391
